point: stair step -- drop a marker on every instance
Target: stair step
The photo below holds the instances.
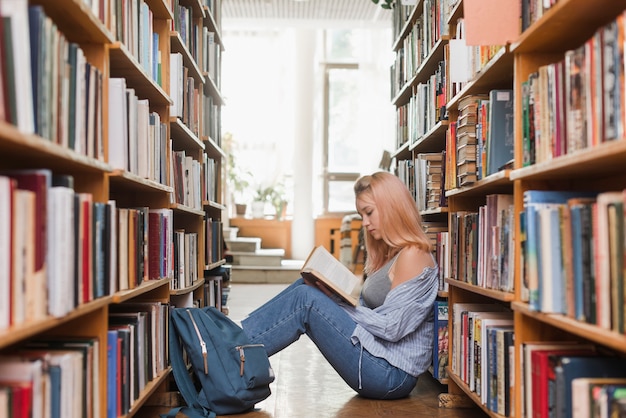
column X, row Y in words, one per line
column 286, row 273
column 244, row 244
column 260, row 257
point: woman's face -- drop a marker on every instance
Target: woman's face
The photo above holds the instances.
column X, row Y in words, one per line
column 369, row 212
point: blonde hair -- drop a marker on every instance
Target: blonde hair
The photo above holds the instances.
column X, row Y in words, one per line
column 400, row 220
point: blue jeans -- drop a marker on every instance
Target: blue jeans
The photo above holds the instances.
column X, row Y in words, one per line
column 302, row 309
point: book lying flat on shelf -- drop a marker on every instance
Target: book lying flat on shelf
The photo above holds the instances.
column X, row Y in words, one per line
column 322, row 266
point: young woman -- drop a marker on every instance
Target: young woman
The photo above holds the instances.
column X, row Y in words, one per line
column 380, row 347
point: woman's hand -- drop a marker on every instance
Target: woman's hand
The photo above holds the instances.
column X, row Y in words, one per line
column 319, row 285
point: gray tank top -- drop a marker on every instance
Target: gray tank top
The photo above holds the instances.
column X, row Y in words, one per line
column 377, row 285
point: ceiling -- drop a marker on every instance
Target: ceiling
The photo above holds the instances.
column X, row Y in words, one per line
column 304, row 13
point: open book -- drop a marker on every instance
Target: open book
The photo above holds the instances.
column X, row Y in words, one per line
column 320, row 265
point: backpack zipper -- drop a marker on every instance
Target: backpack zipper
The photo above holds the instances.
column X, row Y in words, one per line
column 242, row 355
column 202, row 343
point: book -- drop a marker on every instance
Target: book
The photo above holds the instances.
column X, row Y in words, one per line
column 590, row 395
column 539, row 372
column 533, row 200
column 500, row 134
column 440, row 343
column 322, row 266
column 568, row 368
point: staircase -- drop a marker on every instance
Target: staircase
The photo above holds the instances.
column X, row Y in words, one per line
column 254, row 264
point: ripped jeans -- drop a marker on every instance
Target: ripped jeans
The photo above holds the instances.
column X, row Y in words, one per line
column 302, row 309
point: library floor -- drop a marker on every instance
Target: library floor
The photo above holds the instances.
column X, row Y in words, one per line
column 307, row 386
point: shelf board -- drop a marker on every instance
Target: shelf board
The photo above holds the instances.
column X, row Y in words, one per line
column 598, row 162
column 424, row 71
column 24, row 331
column 496, row 74
column 589, row 332
column 434, row 140
column 403, row 152
column 552, row 32
column 210, row 89
column 211, row 266
column 18, row 149
column 209, row 22
column 160, row 9
column 213, row 205
column 212, row 149
column 146, row 286
column 186, row 209
column 408, row 25
column 150, row 388
column 121, row 179
column 472, row 395
column 435, row 211
column 123, row 64
column 189, row 289
column 491, row 293
column 499, row 182
column 183, row 137
column 189, row 62
column 80, row 25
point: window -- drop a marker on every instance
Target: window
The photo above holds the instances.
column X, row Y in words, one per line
column 356, row 114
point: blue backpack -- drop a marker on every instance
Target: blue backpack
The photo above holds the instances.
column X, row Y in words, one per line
column 233, row 374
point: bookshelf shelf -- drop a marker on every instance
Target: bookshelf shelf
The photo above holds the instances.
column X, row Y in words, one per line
column 196, row 285
column 478, row 290
column 471, row 395
column 144, row 288
column 590, row 332
column 125, row 65
column 188, row 60
column 553, row 31
column 499, row 182
column 81, row 25
column 433, row 140
column 424, row 71
column 184, row 137
column 597, row 163
column 101, row 200
column 17, row 148
column 19, row 333
column 495, row 74
column 123, row 180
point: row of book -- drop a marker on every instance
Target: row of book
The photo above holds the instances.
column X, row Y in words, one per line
column 573, row 251
column 558, row 378
column 578, row 101
column 187, row 179
column 60, row 248
column 423, row 176
column 441, row 340
column 59, row 99
column 482, row 244
column 425, row 108
column 132, row 25
column 138, row 141
column 465, row 61
column 137, row 353
column 483, row 352
column 51, row 378
column 185, row 94
column 431, row 24
column 571, row 379
column 480, row 142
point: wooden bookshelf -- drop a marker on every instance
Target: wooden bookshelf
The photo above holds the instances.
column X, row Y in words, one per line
column 97, row 34
column 566, row 25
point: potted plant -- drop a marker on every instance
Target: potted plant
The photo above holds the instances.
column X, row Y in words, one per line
column 262, row 196
column 238, row 179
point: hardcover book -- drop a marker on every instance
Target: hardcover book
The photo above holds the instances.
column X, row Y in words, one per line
column 321, row 266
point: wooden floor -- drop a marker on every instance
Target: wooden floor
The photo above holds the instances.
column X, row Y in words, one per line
column 307, row 386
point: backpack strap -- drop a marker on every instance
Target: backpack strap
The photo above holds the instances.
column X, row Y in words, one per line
column 184, row 382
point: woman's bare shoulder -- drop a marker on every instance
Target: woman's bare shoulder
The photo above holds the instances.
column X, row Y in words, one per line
column 410, row 263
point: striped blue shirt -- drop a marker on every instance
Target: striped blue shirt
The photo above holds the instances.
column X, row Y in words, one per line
column 401, row 329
